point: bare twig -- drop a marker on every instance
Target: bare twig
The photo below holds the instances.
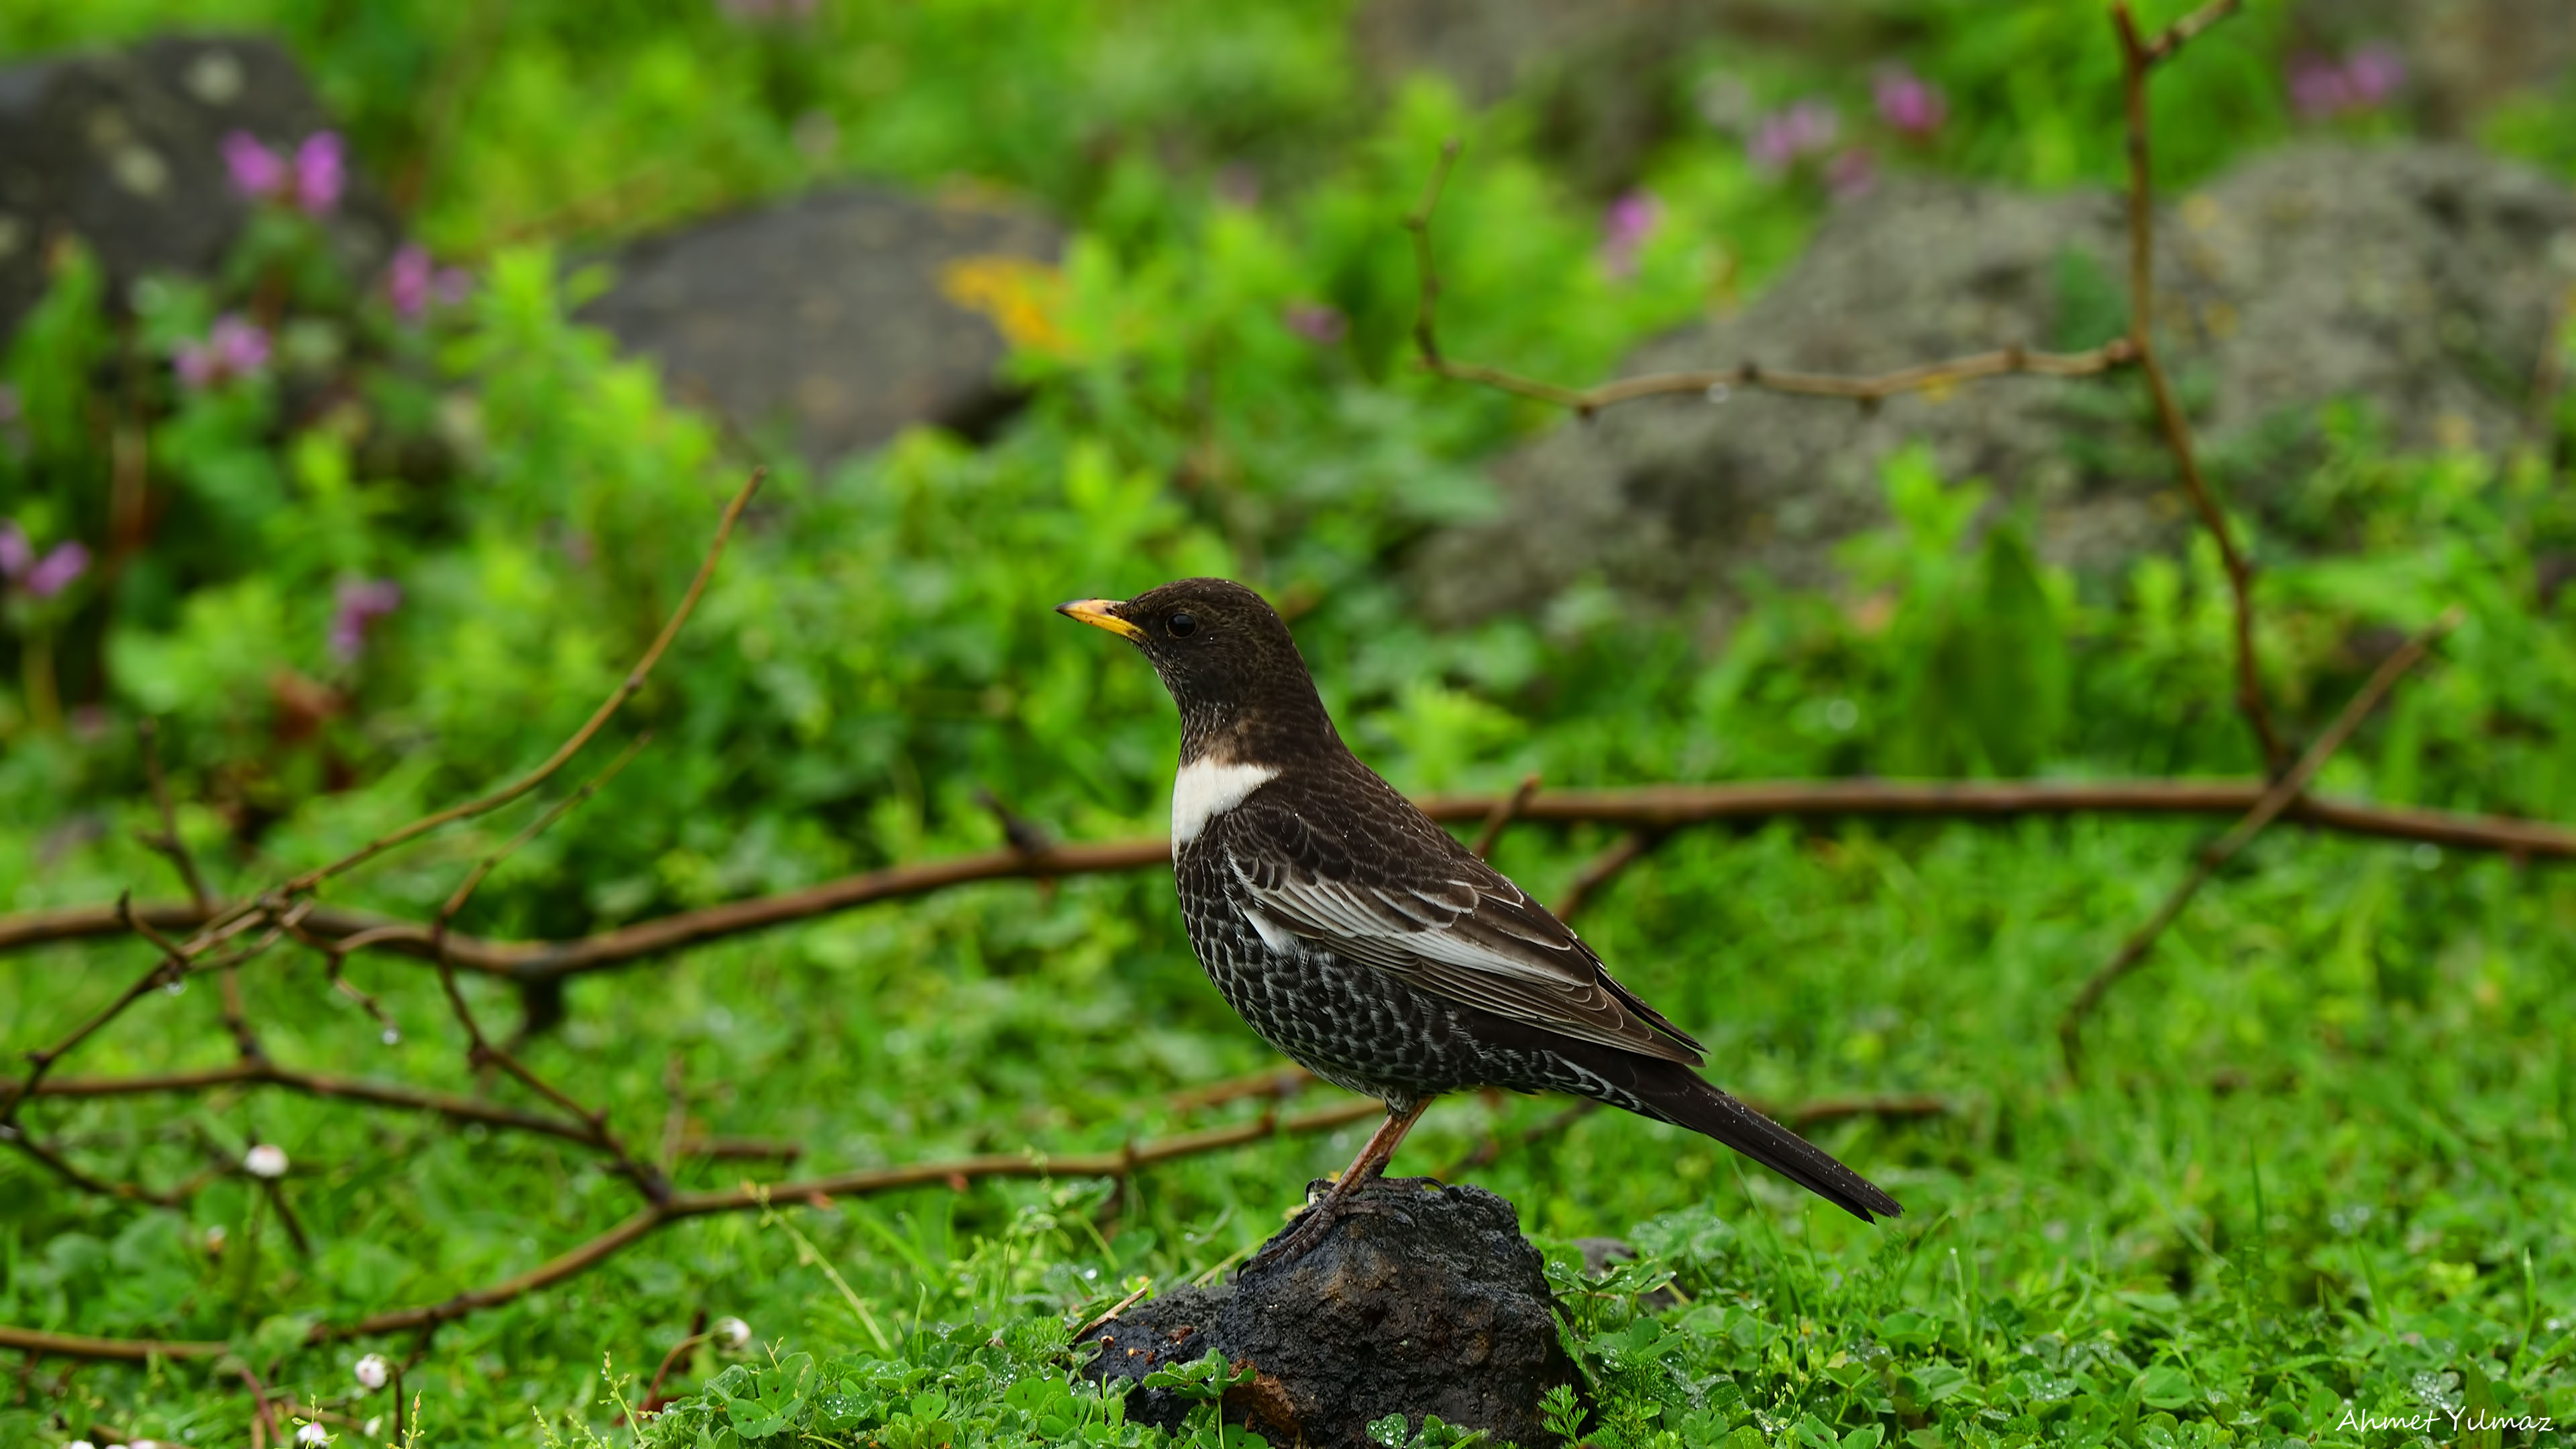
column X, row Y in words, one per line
column 1715, row 382
column 1501, row 816
column 1122, row 1305
column 267, row 1073
column 749, row 1198
column 1605, row 868
column 2070, row 1027
column 2137, row 59
column 626, row 690
column 171, row 967
column 2182, row 32
column 168, row 841
column 865, row 1182
column 1025, row 835
column 1659, row 807
column 480, row 1051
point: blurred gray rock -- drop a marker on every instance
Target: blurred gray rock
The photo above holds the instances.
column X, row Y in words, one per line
column 2419, row 278
column 123, row 150
column 829, row 314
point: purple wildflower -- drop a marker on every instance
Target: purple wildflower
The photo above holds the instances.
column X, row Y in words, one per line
column 1910, row 103
column 257, row 171
column 41, row 577
column 1784, row 138
column 412, row 282
column 1851, row 173
column 2376, row 73
column 1624, row 229
column 321, row 172
column 407, row 281
column 55, row 571
column 2317, row 87
column 360, row 603
column 232, row 348
column 2321, row 89
column 1318, row 322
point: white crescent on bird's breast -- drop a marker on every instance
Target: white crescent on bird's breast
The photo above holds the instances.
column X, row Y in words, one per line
column 1205, row 790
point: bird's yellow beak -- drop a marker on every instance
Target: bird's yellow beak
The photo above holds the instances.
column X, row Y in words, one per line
column 1095, row 612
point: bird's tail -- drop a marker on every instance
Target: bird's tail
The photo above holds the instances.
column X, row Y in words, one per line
column 1679, row 1096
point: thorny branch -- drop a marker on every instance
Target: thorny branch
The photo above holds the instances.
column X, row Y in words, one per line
column 2217, row 853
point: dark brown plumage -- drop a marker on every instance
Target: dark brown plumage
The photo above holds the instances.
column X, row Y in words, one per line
column 1364, row 941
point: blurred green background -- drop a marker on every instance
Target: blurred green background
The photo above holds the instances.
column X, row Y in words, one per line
column 2322, row 1157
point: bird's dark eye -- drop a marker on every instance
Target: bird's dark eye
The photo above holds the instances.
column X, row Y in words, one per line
column 1181, row 626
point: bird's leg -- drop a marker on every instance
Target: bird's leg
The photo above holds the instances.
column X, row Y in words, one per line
column 1374, row 1156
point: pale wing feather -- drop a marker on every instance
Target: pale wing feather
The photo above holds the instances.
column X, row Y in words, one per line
column 1469, row 943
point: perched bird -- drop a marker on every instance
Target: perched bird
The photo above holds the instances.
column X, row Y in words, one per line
column 1360, row 938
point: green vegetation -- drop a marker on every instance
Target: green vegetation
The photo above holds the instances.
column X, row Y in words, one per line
column 2321, row 1163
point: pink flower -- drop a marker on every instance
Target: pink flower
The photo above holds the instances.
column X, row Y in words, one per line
column 2375, row 73
column 313, row 179
column 407, row 280
column 257, row 171
column 233, row 348
column 1317, row 322
column 2318, row 88
column 1851, row 173
column 1784, row 138
column 40, row 577
column 2321, row 89
column 360, row 603
column 1910, row 103
column 55, row 571
column 321, row 172
column 413, row 283
column 1624, row 229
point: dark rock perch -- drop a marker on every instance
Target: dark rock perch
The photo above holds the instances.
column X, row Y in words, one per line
column 1422, row 1299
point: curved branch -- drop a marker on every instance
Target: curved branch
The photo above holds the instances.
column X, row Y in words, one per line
column 1651, row 807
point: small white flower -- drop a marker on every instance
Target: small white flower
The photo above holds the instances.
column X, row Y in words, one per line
column 372, row 1425
column 312, row 1434
column 266, row 1160
column 733, row 1333
column 372, row 1371
column 215, row 1236
column 80, row 1444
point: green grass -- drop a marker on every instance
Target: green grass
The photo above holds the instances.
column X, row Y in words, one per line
column 2319, row 1163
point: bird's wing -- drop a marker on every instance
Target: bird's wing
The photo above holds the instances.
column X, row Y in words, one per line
column 1399, row 894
